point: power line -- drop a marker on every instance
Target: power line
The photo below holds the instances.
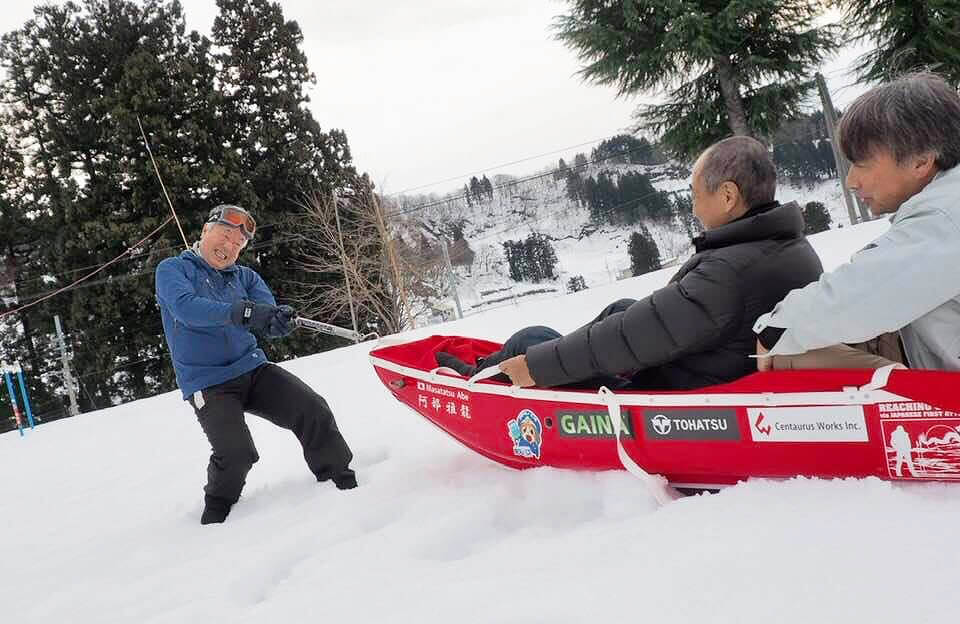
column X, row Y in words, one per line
column 533, row 177
column 514, row 162
column 500, row 187
column 131, row 257
column 47, row 294
column 119, row 278
column 129, row 249
column 121, row 366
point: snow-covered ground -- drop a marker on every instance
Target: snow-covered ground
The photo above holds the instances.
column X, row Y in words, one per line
column 100, row 515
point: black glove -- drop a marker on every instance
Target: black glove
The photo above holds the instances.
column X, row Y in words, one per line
column 253, row 316
column 282, row 322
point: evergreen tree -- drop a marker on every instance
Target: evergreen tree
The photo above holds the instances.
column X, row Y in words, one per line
column 588, row 191
column 98, row 65
column 816, row 218
column 486, row 187
column 827, row 160
column 542, row 259
column 574, row 186
column 561, row 171
column 742, row 66
column 812, row 126
column 231, row 127
column 683, row 214
column 533, row 259
column 22, row 339
column 516, row 259
column 644, row 254
column 476, row 190
column 906, row 35
column 576, row 284
column 624, row 149
column 605, row 200
column 278, row 150
column 579, row 163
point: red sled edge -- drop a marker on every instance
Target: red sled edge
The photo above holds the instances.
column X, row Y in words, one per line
column 891, row 424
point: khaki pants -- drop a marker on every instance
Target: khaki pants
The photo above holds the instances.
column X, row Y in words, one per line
column 877, row 353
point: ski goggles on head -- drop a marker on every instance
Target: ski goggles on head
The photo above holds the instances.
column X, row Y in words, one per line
column 234, row 216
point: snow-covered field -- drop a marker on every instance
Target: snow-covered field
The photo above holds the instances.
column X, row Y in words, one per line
column 100, row 518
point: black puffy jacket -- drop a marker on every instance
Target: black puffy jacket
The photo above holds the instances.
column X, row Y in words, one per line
column 697, row 330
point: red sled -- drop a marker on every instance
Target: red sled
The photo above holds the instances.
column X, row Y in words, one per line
column 889, row 423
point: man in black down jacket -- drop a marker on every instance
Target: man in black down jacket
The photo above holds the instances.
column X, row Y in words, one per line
column 697, row 330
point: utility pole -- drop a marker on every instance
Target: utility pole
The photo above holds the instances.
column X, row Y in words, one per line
column 343, row 262
column 843, row 166
column 453, row 278
column 392, row 256
column 67, row 377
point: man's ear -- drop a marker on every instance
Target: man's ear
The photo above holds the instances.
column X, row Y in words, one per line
column 924, row 165
column 730, row 193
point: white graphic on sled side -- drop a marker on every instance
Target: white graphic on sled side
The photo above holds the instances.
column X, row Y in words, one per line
column 527, row 434
column 922, row 448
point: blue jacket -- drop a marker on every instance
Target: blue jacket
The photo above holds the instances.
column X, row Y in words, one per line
column 195, row 302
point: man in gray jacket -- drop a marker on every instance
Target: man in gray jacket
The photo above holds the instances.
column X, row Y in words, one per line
column 698, row 329
column 903, row 139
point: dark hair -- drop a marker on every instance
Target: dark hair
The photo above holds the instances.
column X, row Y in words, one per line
column 744, row 161
column 912, row 115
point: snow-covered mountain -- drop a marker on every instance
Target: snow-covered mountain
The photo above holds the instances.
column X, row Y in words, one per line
column 101, row 522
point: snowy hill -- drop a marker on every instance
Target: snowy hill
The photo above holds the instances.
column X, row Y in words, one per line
column 101, row 518
column 538, row 204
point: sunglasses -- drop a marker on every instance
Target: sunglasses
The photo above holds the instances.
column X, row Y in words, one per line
column 235, row 217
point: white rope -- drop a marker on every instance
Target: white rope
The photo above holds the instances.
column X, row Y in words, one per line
column 657, row 485
column 880, row 377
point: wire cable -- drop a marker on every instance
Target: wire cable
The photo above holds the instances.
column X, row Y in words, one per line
column 87, row 276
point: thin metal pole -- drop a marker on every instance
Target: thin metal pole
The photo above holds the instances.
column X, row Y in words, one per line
column 343, row 262
column 67, row 378
column 453, row 279
column 13, row 400
column 25, row 395
column 392, row 256
column 327, row 328
column 842, row 165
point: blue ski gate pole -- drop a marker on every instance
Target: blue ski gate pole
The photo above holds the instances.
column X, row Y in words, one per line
column 25, row 395
column 13, row 401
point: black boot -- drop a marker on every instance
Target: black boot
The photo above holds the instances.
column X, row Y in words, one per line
column 452, row 361
column 346, row 480
column 215, row 510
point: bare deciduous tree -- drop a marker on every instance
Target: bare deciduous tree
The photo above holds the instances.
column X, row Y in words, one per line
column 390, row 283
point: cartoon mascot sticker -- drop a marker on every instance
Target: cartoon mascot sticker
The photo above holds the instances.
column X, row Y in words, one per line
column 526, row 433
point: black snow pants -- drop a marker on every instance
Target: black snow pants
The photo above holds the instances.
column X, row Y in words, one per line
column 273, row 393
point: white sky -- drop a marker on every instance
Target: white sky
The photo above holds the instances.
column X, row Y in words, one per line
column 428, row 91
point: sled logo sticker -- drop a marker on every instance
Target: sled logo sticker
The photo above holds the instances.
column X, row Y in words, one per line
column 922, row 448
column 762, row 426
column 575, row 423
column 661, row 424
column 527, row 434
column 691, row 424
column 835, row 423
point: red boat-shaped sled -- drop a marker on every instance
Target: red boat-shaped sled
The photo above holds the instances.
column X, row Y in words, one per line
column 892, row 424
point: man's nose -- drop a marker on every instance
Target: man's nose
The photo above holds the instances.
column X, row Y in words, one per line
column 852, row 182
